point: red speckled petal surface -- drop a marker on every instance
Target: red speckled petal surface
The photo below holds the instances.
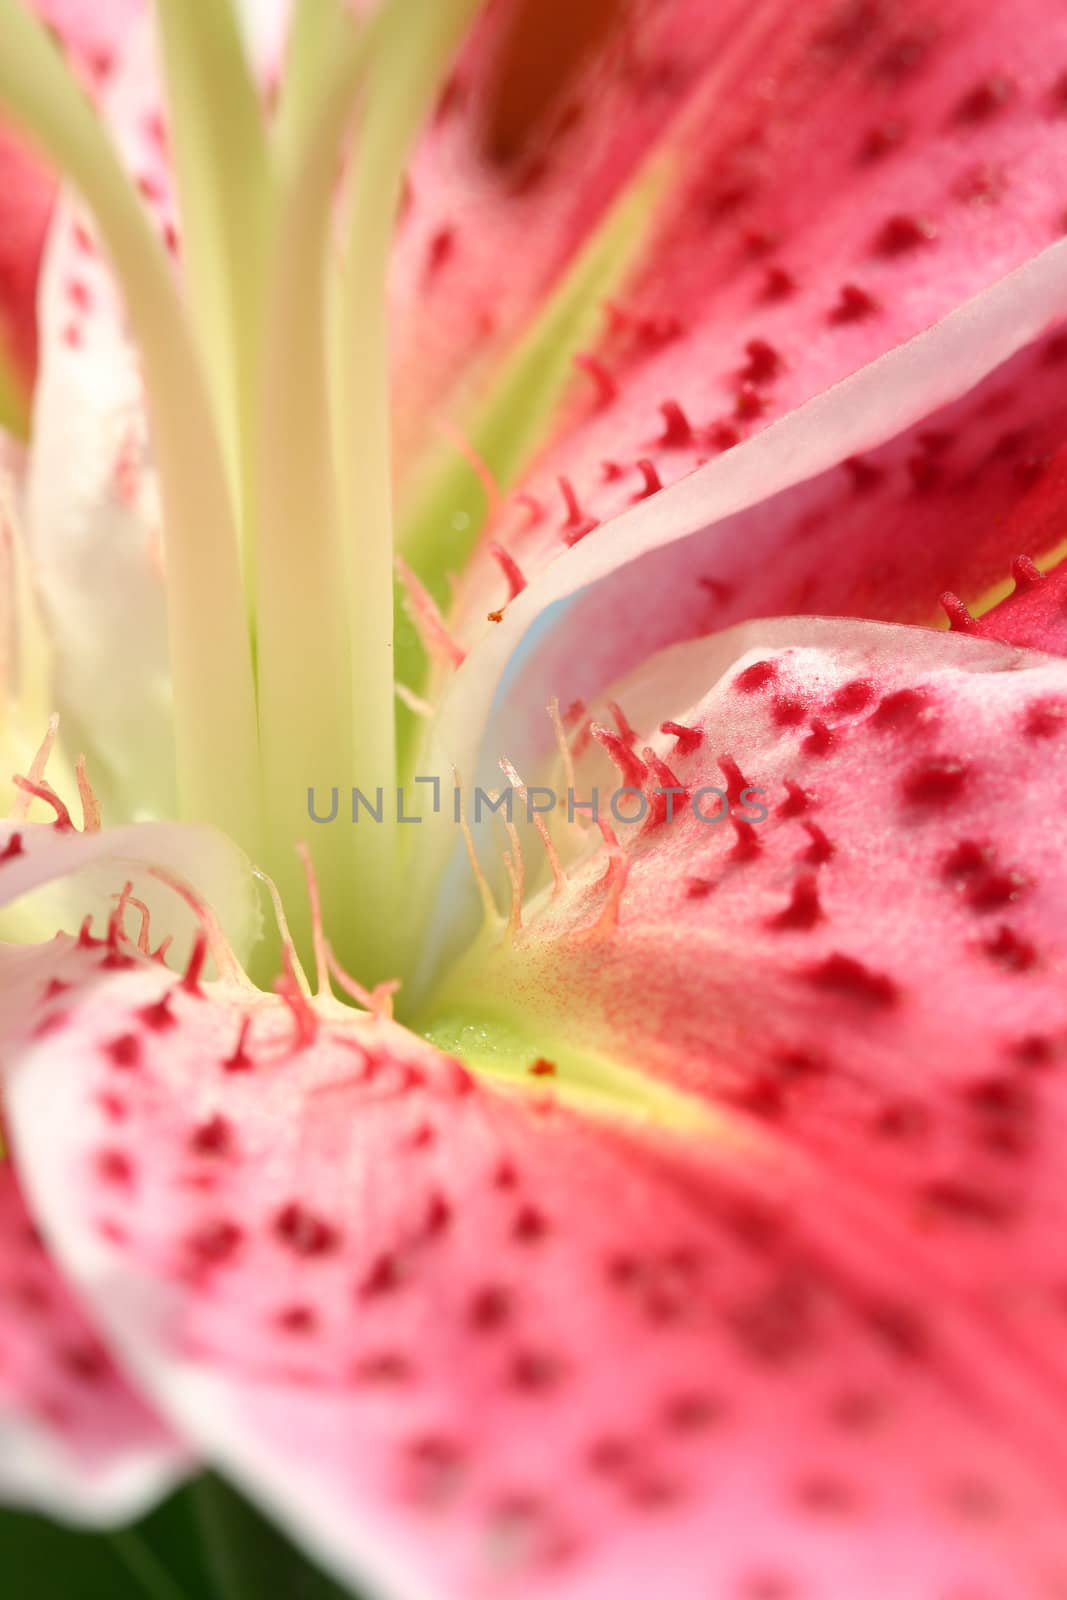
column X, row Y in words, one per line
column 464, row 1343
column 74, row 1438
column 785, row 256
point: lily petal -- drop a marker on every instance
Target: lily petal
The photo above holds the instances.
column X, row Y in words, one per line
column 74, row 879
column 942, row 509
column 466, row 1343
column 918, row 474
column 90, row 495
column 747, row 299
column 897, row 768
column 74, row 1439
column 90, row 35
column 93, row 517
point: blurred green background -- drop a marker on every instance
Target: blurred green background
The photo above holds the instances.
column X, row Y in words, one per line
column 204, row 1543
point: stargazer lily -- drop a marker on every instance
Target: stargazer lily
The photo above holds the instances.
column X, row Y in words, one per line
column 688, row 1221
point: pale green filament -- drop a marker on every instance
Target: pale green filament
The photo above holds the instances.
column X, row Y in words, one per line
column 320, row 31
column 252, row 429
column 270, row 412
column 305, row 690
column 415, row 46
column 215, row 727
column 224, row 175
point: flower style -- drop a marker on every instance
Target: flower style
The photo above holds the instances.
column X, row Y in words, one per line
column 687, row 1223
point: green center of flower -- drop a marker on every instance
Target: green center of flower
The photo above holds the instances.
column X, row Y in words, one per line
column 266, row 372
column 272, row 451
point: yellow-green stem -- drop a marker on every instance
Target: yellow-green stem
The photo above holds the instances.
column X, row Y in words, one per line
column 224, row 174
column 305, row 691
column 415, row 48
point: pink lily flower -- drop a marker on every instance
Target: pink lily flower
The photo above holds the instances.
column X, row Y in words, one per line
column 655, row 1193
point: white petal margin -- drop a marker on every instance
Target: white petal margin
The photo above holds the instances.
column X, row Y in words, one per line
column 36, row 1474
column 91, row 504
column 138, row 1313
column 76, row 1441
column 865, row 410
column 71, row 875
column 91, row 495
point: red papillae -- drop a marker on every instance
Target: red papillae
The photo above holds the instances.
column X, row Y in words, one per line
column 946, row 507
column 817, row 973
column 903, row 772
column 1034, row 615
column 470, row 1341
column 897, row 237
column 473, row 1343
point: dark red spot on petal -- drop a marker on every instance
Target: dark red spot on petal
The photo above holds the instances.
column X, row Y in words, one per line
column 300, row 1320
column 757, row 676
column 902, row 233
column 490, row 1308
column 797, row 799
column 803, row 910
column 124, row 1051
column 158, row 1015
column 985, row 99
column 536, row 1370
column 935, row 782
column 1010, row 950
column 844, row 975
column 530, row 1224
column 677, row 429
column 304, row 1232
column 851, row 697
column 687, row 739
column 1044, row 719
column 853, row 304
column 214, row 1242
column 115, row 1166
column 902, row 707
column 214, row 1137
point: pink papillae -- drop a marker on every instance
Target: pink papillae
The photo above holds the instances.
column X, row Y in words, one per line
column 463, row 1339
column 949, row 506
column 941, row 176
column 898, row 769
column 466, row 1343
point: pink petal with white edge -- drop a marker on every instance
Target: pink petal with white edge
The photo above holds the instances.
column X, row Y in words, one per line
column 787, row 256
column 935, row 517
column 912, row 782
column 78, row 878
column 486, row 233
column 91, row 493
column 91, row 501
column 465, row 1344
column 74, row 1438
column 873, row 973
column 781, row 524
